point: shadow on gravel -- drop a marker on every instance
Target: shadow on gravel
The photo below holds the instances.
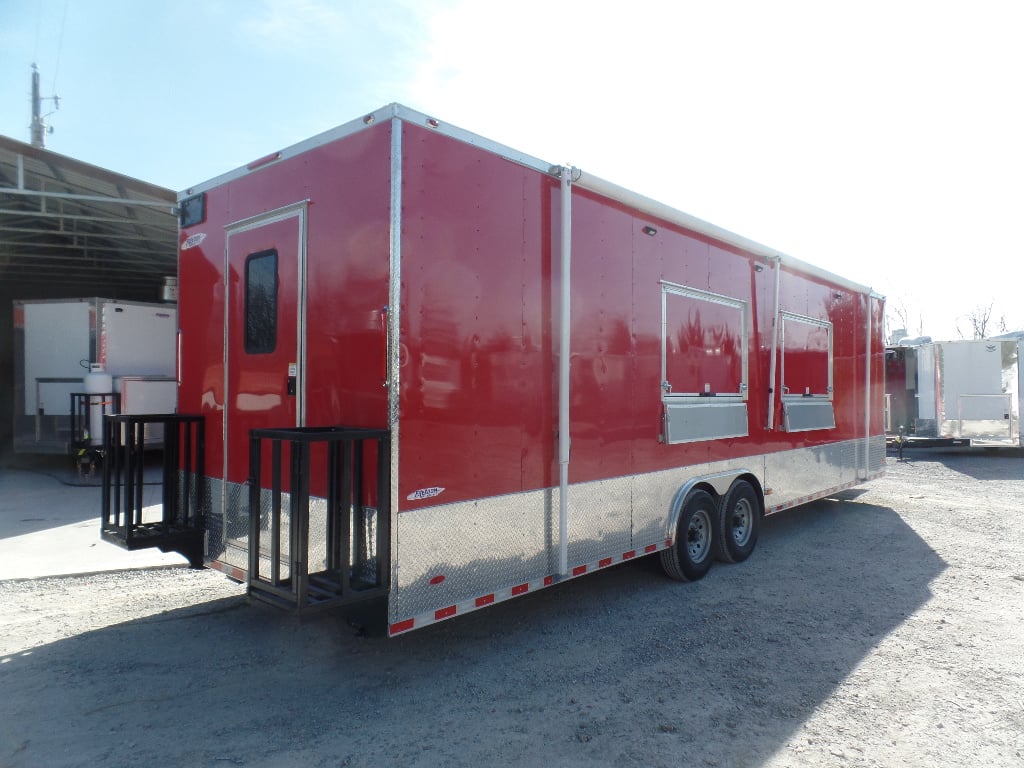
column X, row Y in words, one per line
column 622, row 668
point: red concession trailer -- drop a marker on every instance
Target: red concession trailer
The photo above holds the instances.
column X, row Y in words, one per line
column 437, row 370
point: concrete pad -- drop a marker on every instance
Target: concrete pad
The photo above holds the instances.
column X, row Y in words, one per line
column 50, row 526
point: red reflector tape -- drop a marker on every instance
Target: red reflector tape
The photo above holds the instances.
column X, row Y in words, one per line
column 520, row 589
column 604, row 563
column 629, row 555
column 485, row 600
column 444, row 613
column 437, row 579
column 579, row 570
column 402, row 626
column 650, row 548
column 549, row 580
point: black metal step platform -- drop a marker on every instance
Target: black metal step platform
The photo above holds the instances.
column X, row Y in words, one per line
column 180, row 523
column 356, row 538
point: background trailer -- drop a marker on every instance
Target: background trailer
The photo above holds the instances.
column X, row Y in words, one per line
column 439, row 371
column 967, row 391
column 55, row 343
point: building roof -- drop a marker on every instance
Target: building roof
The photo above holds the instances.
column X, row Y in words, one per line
column 63, row 221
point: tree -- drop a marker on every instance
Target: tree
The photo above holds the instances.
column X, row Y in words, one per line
column 977, row 321
column 903, row 316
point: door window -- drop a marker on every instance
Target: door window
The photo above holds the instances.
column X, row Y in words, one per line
column 261, row 302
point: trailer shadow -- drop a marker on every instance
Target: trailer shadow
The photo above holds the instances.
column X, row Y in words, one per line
column 623, row 667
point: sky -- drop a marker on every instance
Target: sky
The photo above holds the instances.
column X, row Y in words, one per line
column 880, row 140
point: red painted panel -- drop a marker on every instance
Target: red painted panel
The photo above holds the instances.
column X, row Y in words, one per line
column 201, row 319
column 348, row 183
column 477, row 371
column 604, row 389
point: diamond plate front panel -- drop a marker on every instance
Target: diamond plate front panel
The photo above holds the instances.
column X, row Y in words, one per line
column 214, row 519
column 876, row 454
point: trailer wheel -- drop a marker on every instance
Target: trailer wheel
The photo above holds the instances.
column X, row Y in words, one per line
column 693, row 553
column 739, row 523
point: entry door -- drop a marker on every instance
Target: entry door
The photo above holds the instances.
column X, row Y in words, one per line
column 263, row 372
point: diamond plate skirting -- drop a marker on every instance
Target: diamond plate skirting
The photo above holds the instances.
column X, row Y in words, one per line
column 452, row 553
column 228, row 528
column 449, row 554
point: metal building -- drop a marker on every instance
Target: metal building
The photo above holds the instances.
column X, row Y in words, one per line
column 69, row 229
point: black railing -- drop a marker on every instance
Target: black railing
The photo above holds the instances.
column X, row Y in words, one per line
column 179, row 526
column 355, row 551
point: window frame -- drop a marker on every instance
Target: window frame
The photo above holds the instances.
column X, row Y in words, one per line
column 675, row 289
column 830, row 329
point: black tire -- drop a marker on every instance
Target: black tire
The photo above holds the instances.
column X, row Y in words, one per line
column 694, row 551
column 739, row 523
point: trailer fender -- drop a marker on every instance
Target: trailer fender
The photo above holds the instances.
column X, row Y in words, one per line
column 717, row 485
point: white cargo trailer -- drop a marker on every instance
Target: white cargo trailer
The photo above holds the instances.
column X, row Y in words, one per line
column 56, row 342
column 967, row 392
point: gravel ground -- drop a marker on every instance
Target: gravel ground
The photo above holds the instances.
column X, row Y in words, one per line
column 880, row 628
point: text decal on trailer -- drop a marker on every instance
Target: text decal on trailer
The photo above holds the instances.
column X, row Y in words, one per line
column 193, row 241
column 425, row 493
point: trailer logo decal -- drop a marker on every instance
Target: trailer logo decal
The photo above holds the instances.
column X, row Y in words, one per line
column 193, row 240
column 425, row 493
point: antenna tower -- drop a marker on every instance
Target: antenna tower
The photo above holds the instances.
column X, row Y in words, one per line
column 39, row 128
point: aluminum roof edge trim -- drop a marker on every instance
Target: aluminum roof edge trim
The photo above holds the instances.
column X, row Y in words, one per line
column 692, row 223
column 587, row 181
column 364, row 122
column 514, row 155
column 345, row 129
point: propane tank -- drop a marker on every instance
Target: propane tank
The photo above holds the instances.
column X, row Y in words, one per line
column 98, row 385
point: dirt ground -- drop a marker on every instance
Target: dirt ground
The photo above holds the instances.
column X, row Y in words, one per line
column 882, row 628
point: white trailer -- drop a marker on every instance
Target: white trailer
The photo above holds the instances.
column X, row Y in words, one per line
column 967, row 392
column 56, row 342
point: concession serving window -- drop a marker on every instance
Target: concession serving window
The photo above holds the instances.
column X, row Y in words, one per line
column 703, row 364
column 806, row 371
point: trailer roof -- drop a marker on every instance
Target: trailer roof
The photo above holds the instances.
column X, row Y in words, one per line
column 65, row 222
column 584, row 180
